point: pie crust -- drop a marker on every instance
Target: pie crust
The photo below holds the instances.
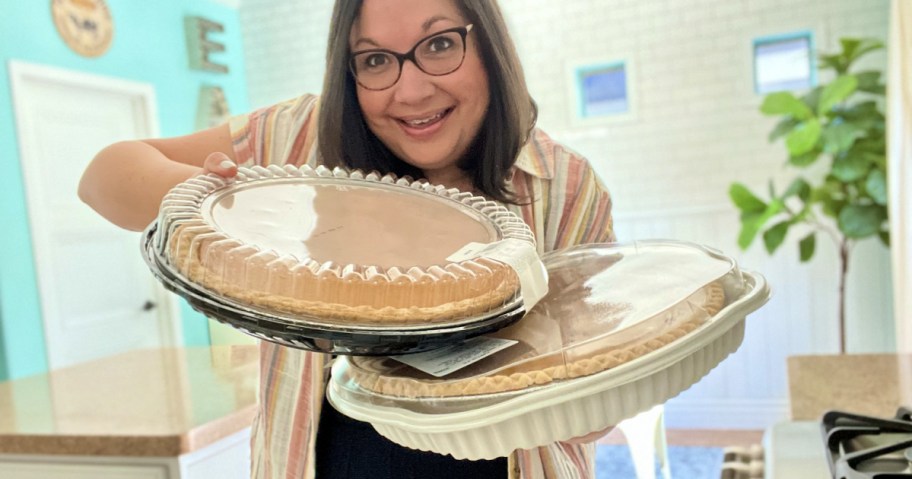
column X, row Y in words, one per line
column 375, row 374
column 338, row 245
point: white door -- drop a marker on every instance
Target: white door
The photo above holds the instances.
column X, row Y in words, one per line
column 97, row 296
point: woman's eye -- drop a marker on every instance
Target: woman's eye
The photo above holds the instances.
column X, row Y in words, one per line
column 440, row 44
column 372, row 62
column 375, row 61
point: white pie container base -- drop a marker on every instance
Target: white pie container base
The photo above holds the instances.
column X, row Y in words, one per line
column 567, row 409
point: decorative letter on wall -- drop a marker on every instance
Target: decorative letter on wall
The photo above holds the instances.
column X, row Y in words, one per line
column 212, row 109
column 199, row 46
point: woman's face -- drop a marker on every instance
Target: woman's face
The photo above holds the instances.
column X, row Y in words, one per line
column 427, row 121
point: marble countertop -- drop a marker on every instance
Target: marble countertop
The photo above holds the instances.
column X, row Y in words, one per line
column 866, row 384
column 154, row 402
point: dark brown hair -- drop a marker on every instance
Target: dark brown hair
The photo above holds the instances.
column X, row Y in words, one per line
column 345, row 139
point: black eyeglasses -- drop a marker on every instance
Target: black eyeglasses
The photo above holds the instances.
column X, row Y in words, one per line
column 438, row 54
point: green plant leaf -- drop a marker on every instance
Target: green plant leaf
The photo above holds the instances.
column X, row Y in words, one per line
column 830, row 195
column 860, row 221
column 836, row 92
column 751, row 223
column 804, row 137
column 867, row 125
column 785, row 103
column 800, row 188
column 804, row 160
column 876, row 147
column 783, row 127
column 835, row 62
column 806, row 247
column 812, row 98
column 860, row 110
column 860, row 47
column 839, row 137
column 746, row 201
column 849, row 47
column 851, row 167
column 773, row 237
column 884, row 238
column 869, row 82
column 876, row 185
column 833, row 206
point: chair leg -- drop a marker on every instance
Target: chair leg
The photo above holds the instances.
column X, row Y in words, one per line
column 661, row 443
column 645, row 435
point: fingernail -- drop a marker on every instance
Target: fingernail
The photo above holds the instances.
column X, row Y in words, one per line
column 227, row 164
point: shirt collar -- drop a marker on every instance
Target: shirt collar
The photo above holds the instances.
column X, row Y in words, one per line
column 535, row 159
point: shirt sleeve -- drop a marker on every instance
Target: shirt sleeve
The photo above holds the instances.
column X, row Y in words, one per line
column 279, row 134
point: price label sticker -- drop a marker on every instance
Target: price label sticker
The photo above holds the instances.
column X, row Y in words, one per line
column 449, row 359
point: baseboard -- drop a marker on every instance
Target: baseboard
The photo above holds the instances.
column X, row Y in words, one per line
column 725, row 414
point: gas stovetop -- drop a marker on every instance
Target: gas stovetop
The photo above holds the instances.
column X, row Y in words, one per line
column 863, row 447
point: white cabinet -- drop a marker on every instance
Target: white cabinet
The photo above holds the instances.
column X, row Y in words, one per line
column 228, row 458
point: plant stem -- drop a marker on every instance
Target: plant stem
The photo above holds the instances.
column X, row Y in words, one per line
column 843, row 270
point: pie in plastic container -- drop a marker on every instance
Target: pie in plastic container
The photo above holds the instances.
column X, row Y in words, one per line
column 344, row 262
column 624, row 327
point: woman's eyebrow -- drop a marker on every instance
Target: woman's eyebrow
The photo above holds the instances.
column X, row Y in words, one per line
column 425, row 28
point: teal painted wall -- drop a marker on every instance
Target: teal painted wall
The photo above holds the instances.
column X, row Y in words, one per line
column 149, row 46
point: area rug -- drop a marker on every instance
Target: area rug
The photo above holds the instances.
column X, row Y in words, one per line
column 687, row 462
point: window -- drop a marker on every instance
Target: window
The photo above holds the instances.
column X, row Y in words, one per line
column 784, row 63
column 602, row 90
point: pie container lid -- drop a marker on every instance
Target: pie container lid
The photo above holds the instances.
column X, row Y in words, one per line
column 584, row 362
column 343, row 249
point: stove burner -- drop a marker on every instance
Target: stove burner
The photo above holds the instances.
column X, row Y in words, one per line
column 862, row 447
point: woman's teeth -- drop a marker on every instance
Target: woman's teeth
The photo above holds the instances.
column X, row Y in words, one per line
column 425, row 121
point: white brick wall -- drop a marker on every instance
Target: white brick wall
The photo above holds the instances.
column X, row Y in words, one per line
column 695, row 130
column 284, row 47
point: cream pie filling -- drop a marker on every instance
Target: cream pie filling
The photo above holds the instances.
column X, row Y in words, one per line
column 341, row 246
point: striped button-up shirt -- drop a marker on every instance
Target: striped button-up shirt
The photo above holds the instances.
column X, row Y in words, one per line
column 564, row 203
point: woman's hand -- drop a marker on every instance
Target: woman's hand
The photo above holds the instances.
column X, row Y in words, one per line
column 220, row 164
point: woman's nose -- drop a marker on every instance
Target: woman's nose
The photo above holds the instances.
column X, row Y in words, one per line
column 414, row 86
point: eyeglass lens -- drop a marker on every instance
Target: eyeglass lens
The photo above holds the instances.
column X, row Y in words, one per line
column 437, row 55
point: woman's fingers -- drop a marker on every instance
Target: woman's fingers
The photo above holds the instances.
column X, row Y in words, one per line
column 220, row 164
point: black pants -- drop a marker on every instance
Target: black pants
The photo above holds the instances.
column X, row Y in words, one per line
column 349, row 449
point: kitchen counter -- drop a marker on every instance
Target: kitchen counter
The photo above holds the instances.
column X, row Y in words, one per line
column 867, row 384
column 145, row 403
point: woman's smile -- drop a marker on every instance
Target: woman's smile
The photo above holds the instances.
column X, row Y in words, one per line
column 423, row 126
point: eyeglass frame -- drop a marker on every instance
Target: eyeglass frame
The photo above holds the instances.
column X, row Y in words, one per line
column 410, row 55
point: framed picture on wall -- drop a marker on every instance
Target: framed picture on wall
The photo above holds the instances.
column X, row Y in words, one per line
column 784, row 63
column 602, row 91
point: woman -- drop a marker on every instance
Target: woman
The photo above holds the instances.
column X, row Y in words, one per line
column 427, row 88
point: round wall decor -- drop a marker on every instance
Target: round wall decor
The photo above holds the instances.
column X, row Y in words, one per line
column 85, row 25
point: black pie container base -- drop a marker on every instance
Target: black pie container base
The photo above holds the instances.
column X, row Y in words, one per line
column 313, row 334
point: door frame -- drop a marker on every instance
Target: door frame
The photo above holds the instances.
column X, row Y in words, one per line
column 143, row 97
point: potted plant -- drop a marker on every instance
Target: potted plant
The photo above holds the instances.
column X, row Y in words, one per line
column 845, row 199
